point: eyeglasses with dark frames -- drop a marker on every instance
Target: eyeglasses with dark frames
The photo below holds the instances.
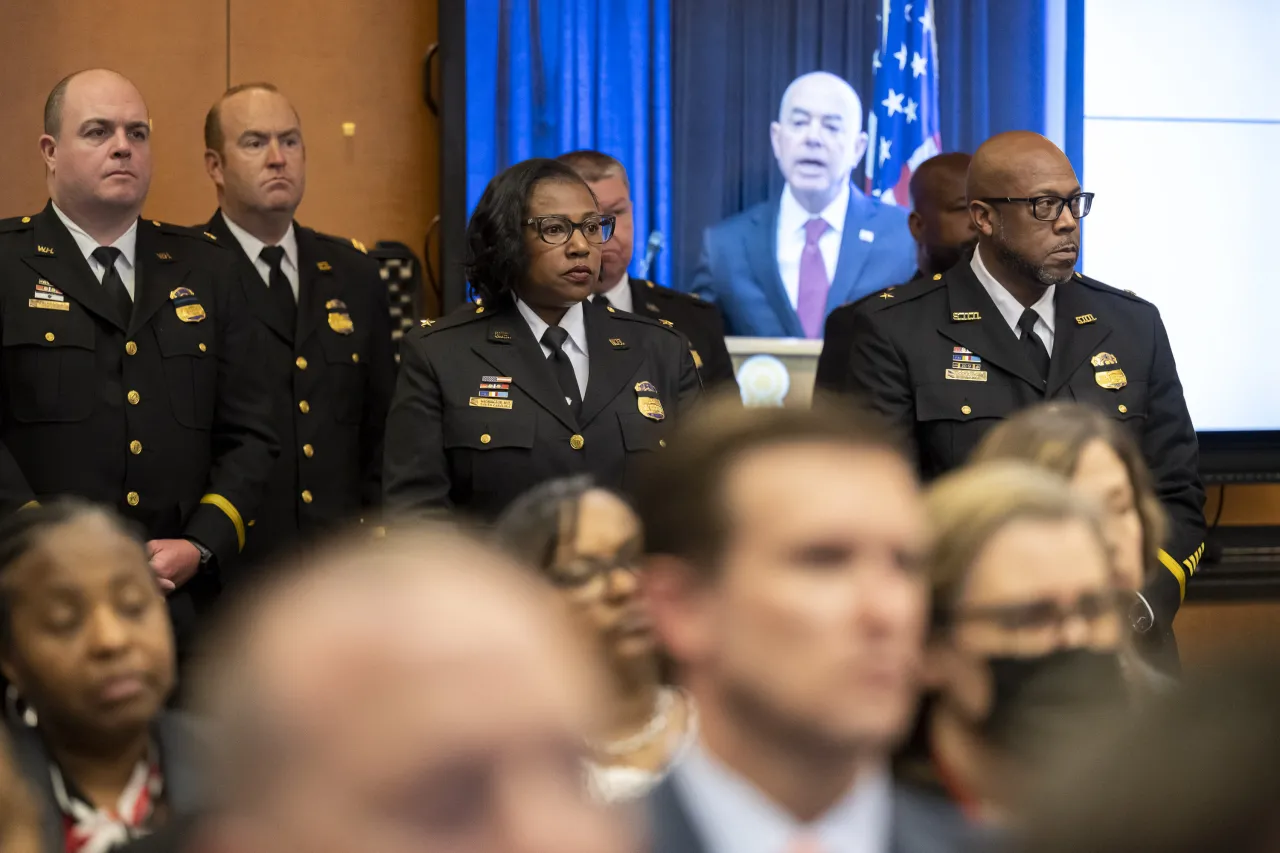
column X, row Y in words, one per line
column 557, row 230
column 1039, row 615
column 1047, row 208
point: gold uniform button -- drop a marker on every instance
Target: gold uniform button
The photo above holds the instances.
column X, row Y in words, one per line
column 308, row 451
column 576, row 442
column 301, row 362
column 26, row 219
column 203, row 348
column 134, row 398
column 48, row 336
column 355, row 357
column 1123, row 408
column 306, row 496
column 133, row 498
column 965, row 410
column 304, row 407
column 131, row 348
column 135, row 447
column 486, row 438
column 662, row 442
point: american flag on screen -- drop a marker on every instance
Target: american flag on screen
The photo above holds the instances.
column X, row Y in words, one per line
column 903, row 126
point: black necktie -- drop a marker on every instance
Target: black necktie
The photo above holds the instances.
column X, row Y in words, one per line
column 112, row 283
column 1032, row 345
column 604, row 301
column 554, row 338
column 278, row 287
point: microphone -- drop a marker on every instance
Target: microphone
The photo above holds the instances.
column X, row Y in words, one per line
column 651, row 250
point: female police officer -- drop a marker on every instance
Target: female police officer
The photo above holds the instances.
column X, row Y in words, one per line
column 533, row 381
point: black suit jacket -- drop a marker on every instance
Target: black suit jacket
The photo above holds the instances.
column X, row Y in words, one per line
column 902, row 358
column 700, row 321
column 166, row 420
column 330, row 465
column 449, row 447
column 920, row 824
column 181, row 761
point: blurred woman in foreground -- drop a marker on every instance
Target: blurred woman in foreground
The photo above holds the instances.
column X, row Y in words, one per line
column 87, row 649
column 587, row 542
column 19, row 828
column 1024, row 638
column 1100, row 460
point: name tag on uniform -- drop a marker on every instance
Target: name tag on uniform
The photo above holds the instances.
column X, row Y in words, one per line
column 490, row 403
column 968, row 375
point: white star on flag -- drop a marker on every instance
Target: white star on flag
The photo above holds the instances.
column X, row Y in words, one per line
column 885, row 144
column 907, row 12
column 893, row 103
column 926, row 20
column 918, row 65
column 910, row 110
column 875, row 59
column 901, row 56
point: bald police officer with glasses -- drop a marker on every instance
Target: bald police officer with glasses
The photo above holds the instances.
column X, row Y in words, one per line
column 534, row 382
column 949, row 356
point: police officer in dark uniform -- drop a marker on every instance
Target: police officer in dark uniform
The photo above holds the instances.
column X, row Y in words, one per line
column 944, row 234
column 129, row 364
column 327, row 353
column 949, row 356
column 535, row 382
column 700, row 321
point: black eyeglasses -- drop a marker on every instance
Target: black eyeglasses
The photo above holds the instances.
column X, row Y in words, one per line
column 1036, row 615
column 1048, row 208
column 558, row 230
column 581, row 571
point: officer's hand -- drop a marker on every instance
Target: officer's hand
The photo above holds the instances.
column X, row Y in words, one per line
column 174, row 561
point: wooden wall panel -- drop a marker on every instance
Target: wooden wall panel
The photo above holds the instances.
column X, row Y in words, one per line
column 339, row 62
column 174, row 50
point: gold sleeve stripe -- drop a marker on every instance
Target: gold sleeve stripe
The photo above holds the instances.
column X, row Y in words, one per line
column 1193, row 562
column 1172, row 565
column 29, row 505
column 231, row 512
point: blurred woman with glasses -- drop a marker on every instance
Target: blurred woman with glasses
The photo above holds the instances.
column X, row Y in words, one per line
column 1102, row 462
column 531, row 381
column 587, row 542
column 1023, row 655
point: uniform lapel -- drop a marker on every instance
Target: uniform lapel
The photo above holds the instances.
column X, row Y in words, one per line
column 255, row 289
column 1077, row 333
column 510, row 347
column 854, row 252
column 159, row 270
column 611, row 366
column 57, row 258
column 990, row 336
column 315, row 281
column 762, row 257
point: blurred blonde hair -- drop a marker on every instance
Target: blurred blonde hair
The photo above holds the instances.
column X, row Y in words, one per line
column 970, row 506
column 1054, row 435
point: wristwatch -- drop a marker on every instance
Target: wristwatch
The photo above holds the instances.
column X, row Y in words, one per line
column 205, row 554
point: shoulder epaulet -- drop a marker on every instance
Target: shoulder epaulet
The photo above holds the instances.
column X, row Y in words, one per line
column 460, row 316
column 15, row 223
column 671, row 293
column 349, row 242
column 638, row 318
column 899, row 294
column 1094, row 284
column 196, row 232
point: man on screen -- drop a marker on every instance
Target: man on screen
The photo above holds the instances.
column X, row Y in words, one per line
column 948, row 357
column 776, row 269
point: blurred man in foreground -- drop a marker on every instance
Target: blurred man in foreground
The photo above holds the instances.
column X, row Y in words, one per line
column 797, row 627
column 944, row 233
column 415, row 693
column 700, row 321
column 776, row 269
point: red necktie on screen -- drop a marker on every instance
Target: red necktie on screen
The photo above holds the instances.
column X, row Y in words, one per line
column 814, row 284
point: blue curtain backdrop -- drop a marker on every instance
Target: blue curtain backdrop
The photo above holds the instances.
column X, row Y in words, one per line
column 549, row 76
column 731, row 60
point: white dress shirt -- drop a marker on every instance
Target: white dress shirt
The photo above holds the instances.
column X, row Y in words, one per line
column 575, row 347
column 792, row 219
column 125, row 261
column 1011, row 309
column 253, row 248
column 732, row 816
column 620, row 295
